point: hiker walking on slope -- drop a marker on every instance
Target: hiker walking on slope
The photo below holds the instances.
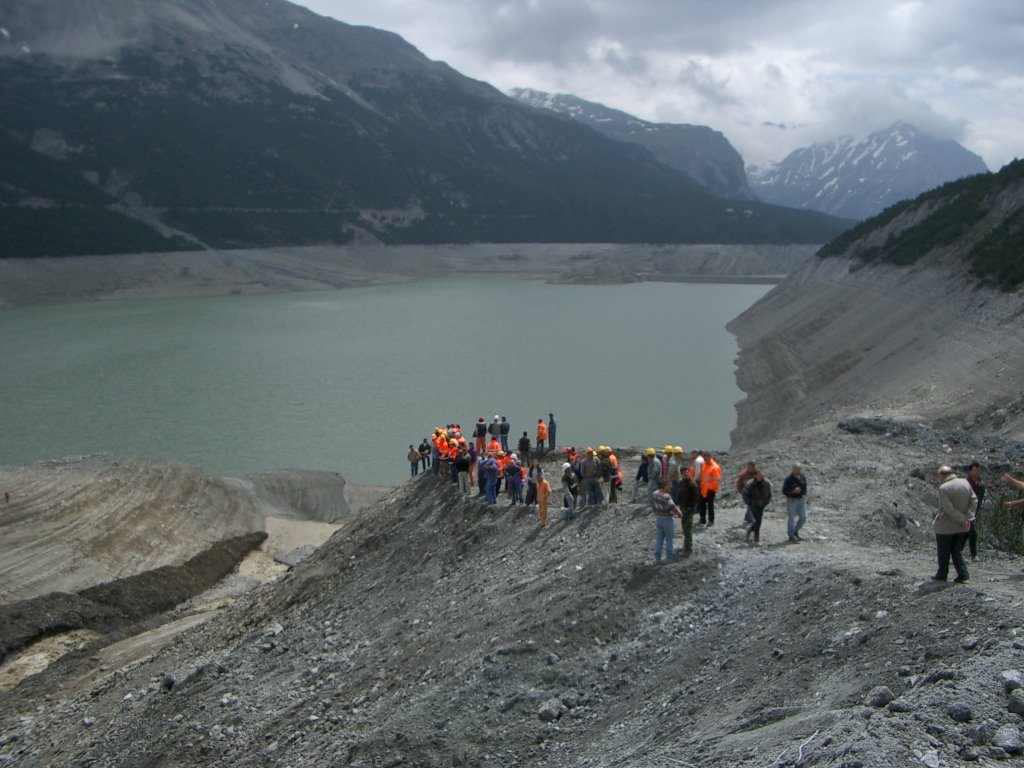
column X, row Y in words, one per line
column 757, row 493
column 664, row 510
column 794, row 488
column 741, row 480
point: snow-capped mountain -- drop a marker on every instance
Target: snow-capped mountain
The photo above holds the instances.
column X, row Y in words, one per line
column 702, row 153
column 858, row 178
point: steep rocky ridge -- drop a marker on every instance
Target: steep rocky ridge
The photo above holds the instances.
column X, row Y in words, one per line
column 433, row 631
column 842, row 337
column 921, row 338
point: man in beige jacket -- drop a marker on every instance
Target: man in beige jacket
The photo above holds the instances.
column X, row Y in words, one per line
column 952, row 522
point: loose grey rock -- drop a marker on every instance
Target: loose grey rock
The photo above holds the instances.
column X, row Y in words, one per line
column 899, row 706
column 960, row 712
column 970, row 643
column 551, row 710
column 931, row 759
column 879, row 696
column 1011, row 679
column 1016, row 701
column 296, row 556
column 1008, row 738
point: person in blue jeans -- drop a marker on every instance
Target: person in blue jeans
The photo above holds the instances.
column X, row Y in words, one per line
column 664, row 510
column 489, row 471
column 552, row 427
column 414, row 461
column 794, row 488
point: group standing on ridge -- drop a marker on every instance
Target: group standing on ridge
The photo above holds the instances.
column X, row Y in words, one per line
column 673, row 485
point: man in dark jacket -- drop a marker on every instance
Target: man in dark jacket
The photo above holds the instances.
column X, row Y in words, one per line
column 689, row 493
column 974, row 479
column 794, row 488
column 757, row 493
column 503, row 427
column 524, row 449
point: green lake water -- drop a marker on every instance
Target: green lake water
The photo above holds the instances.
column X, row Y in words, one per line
column 345, row 380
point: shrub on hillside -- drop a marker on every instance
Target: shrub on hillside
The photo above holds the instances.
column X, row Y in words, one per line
column 1001, row 528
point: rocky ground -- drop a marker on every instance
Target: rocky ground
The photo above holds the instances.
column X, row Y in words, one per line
column 434, row 631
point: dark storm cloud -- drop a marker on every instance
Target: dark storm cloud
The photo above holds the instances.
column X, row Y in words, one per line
column 952, row 67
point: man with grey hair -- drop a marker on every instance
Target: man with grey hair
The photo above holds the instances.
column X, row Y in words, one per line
column 956, row 505
column 794, row 488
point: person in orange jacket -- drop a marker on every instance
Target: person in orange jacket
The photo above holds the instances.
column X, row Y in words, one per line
column 453, row 454
column 493, row 447
column 542, row 436
column 710, row 481
column 441, row 446
column 543, row 494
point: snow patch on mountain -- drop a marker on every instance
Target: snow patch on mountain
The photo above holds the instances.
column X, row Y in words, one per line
column 858, row 177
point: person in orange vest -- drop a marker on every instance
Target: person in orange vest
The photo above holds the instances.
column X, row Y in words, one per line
column 710, row 480
column 453, row 454
column 542, row 436
column 493, row 447
column 502, row 459
column 543, row 494
column 441, row 447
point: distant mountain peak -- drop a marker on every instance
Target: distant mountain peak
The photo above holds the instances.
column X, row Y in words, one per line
column 702, row 153
column 857, row 178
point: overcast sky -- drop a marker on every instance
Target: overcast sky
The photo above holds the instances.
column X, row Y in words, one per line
column 772, row 75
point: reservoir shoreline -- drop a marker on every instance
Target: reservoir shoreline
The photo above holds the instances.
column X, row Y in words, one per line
column 28, row 282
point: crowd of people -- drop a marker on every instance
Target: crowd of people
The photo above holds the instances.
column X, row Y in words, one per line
column 673, row 483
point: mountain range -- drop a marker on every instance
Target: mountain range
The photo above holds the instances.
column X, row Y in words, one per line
column 702, row 153
column 858, row 178
column 142, row 125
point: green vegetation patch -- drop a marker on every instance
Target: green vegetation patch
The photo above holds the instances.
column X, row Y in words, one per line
column 999, row 258
column 958, row 207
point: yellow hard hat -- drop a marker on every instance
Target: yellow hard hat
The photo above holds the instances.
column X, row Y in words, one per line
column 650, row 452
column 678, row 449
column 668, row 449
